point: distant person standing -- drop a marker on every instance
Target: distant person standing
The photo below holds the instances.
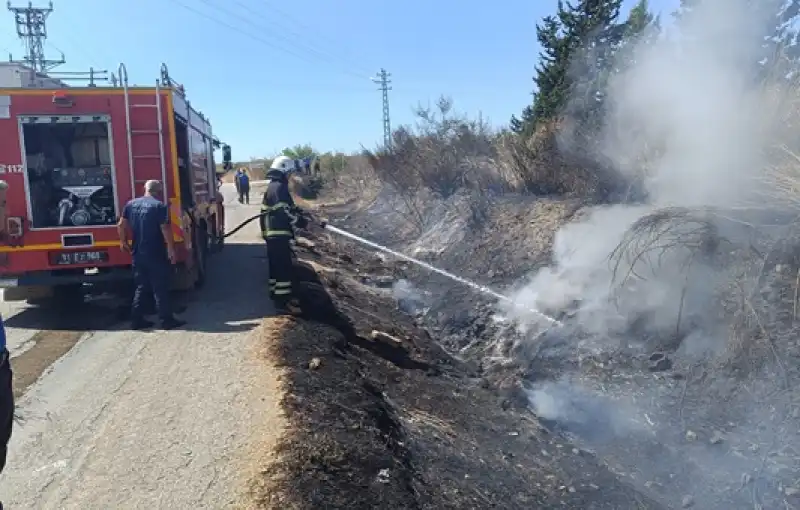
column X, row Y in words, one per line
column 236, row 183
column 6, row 391
column 243, row 186
column 153, row 252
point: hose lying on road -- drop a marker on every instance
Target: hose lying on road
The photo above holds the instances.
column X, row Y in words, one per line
column 241, row 225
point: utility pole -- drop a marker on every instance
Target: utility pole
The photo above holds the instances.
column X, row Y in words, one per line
column 385, row 82
column 32, row 29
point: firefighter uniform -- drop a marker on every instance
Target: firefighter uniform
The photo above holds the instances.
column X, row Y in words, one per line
column 277, row 229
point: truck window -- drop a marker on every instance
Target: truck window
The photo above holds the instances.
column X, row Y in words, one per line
column 70, row 177
column 182, row 139
column 199, row 164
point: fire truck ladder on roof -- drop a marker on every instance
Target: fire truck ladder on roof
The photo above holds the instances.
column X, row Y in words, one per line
column 123, row 78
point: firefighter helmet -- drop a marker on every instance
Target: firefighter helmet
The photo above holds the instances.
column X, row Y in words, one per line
column 283, row 164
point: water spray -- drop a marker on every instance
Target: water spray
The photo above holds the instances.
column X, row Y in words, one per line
column 479, row 288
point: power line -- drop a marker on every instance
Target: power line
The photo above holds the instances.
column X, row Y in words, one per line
column 239, row 31
column 301, row 25
column 383, row 77
column 385, row 82
column 300, row 36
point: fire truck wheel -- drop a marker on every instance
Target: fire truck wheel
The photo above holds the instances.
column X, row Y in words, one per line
column 201, row 255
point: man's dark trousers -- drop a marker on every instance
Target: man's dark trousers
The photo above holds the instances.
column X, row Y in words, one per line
column 244, row 193
column 152, row 278
column 6, row 408
column 279, row 256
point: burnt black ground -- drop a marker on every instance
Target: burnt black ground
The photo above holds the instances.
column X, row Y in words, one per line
column 391, row 420
column 676, row 458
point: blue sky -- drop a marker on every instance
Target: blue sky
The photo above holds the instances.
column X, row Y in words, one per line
column 273, row 73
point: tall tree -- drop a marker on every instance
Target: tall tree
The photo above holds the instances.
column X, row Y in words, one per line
column 578, row 47
column 550, row 78
column 641, row 28
column 595, row 36
column 780, row 52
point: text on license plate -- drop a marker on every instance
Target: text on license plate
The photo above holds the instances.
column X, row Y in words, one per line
column 67, row 258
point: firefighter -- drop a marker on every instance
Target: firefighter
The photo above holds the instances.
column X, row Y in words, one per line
column 6, row 391
column 277, row 227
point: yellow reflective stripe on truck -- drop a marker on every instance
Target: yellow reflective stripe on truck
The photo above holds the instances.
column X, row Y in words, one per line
column 55, row 246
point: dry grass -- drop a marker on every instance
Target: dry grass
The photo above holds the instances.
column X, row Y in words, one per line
column 542, row 166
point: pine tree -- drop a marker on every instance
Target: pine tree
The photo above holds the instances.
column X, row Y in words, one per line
column 641, row 21
column 549, row 79
column 594, row 36
column 685, row 8
column 578, row 42
column 780, row 52
column 641, row 28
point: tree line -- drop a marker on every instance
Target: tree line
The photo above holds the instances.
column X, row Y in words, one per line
column 586, row 42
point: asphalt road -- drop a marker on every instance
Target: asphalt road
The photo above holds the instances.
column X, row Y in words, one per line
column 151, row 420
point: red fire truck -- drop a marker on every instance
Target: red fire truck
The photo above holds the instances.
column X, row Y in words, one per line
column 72, row 158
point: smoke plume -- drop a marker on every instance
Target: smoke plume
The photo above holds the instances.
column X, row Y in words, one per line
column 687, row 120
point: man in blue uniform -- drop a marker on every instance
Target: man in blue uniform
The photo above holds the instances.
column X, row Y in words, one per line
column 153, row 252
column 243, row 186
column 6, row 391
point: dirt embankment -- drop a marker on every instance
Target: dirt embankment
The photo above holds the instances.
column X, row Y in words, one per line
column 381, row 416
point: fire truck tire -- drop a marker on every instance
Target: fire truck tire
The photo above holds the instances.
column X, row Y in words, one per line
column 201, row 239
column 194, row 276
column 217, row 240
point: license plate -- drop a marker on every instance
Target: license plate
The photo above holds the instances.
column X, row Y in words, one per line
column 68, row 258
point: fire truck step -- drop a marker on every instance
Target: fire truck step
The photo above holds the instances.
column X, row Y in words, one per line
column 145, row 132
column 146, row 105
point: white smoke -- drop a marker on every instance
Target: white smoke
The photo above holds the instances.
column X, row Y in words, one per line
column 690, row 104
column 690, row 121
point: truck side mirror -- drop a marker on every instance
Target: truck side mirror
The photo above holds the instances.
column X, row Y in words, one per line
column 226, row 157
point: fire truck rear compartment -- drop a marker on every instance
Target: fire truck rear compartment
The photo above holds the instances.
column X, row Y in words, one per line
column 69, row 172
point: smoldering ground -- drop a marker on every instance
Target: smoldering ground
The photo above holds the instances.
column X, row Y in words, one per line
column 690, row 271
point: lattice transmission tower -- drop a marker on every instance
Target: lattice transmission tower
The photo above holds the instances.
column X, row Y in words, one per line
column 32, row 30
column 385, row 82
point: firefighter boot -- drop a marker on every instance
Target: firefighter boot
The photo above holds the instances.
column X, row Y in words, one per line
column 288, row 307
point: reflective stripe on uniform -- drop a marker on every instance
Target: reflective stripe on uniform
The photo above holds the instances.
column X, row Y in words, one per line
column 277, row 233
column 282, row 288
column 279, row 205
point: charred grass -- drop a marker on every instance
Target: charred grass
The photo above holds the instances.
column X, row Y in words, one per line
column 381, row 416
